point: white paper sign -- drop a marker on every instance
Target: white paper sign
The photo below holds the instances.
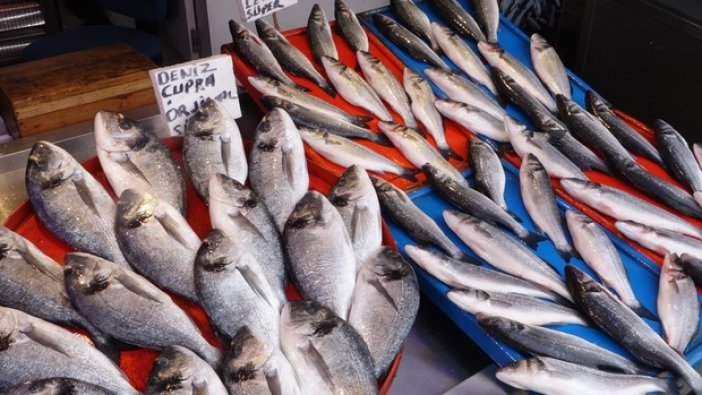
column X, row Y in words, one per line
column 182, row 88
column 253, row 9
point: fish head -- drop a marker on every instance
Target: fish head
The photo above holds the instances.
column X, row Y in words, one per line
column 333, row 66
column 341, row 7
column 490, row 50
column 532, row 164
column 595, row 102
column 580, row 283
column 49, row 166
column 174, row 369
column 672, row 266
column 135, row 207
column 263, row 84
column 209, row 120
column 276, row 129
column 277, row 102
column 88, row 274
column 567, row 107
column 8, row 243
column 317, row 15
column 232, row 193
column 265, row 30
column 382, row 20
column 389, row 265
column 577, row 187
column 11, row 323
column 248, row 352
column 410, row 79
column 575, row 218
column 351, row 186
column 634, row 230
column 539, row 43
column 666, row 131
column 311, row 211
column 372, row 61
column 308, row 318
column 522, row 374
column 448, row 106
column 380, row 185
column 515, row 129
column 218, row 253
column 116, row 133
column 495, row 324
column 238, row 31
column 432, row 172
column 456, row 218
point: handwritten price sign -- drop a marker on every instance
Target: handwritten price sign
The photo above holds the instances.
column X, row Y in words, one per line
column 253, row 9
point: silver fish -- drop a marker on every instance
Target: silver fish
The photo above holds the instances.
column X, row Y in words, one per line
column 128, row 307
column 678, row 304
column 57, row 386
column 386, row 86
column 212, row 145
column 71, row 203
column 415, row 20
column 548, row 66
column 320, row 36
column 693, row 267
column 179, row 371
column 385, row 305
column 676, row 154
column 133, row 157
column 278, row 167
column 157, row 241
column 347, row 23
column 460, row 89
column 659, row 240
column 488, row 172
column 457, row 18
column 407, row 41
column 473, row 119
column 488, row 15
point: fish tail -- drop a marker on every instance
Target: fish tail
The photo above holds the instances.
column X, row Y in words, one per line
column 329, row 89
column 447, row 152
column 381, row 139
column 643, row 312
column 410, row 174
column 531, row 239
column 567, row 253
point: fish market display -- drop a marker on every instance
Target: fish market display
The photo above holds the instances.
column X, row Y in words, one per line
column 457, row 18
column 488, row 17
column 474, row 119
column 320, row 35
column 408, row 41
column 659, row 240
column 678, row 304
column 289, row 56
column 133, row 157
column 488, row 172
column 57, row 386
column 179, row 371
column 212, row 144
column 415, row 20
column 679, row 160
column 693, row 267
column 460, row 89
column 71, row 203
column 548, row 66
column 385, row 304
column 347, row 23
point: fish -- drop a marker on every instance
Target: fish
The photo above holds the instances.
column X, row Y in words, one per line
column 499, row 58
column 278, row 171
column 407, row 41
column 212, row 144
column 462, row 56
column 71, row 203
column 576, row 151
column 350, row 28
column 157, row 241
column 179, row 371
column 693, row 267
column 312, row 118
column 320, row 254
column 254, row 366
column 33, row 349
column 254, row 51
column 241, row 214
column 659, row 240
column 548, row 66
column 503, row 252
column 415, row 20
column 422, row 104
column 553, row 377
column 386, row 295
column 625, row 207
column 354, row 197
column 475, row 203
column 627, row 136
column 459, row 275
column 473, row 119
column 386, row 85
column 627, row 328
column 133, row 157
column 290, row 57
column 458, row 19
column 313, row 338
column 345, row 153
column 678, row 304
column 488, row 173
column 539, row 341
column 271, row 87
column 520, row 308
column 319, row 35
column 600, row 254
column 57, row 386
column 488, row 17
column 129, row 308
column 540, row 203
column 460, row 89
column 677, row 156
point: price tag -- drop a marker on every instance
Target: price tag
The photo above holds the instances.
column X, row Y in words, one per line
column 253, row 9
column 182, row 88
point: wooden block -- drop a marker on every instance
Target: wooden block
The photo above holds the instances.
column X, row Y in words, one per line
column 56, row 92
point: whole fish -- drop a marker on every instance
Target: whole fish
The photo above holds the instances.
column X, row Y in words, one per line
column 34, row 349
column 600, row 254
column 678, row 304
column 474, row 119
column 553, row 377
column 475, row 203
column 407, row 41
column 617, row 320
column 421, row 228
column 625, row 207
column 457, row 274
column 462, row 55
column 179, row 371
column 537, row 341
column 254, row 51
column 498, row 58
column 133, row 157
column 521, row 308
column 128, row 307
column 548, row 66
column 488, row 15
column 71, row 203
column 540, row 203
column 212, row 145
column 278, row 172
column 676, row 154
column 488, row 173
column 354, row 197
column 315, row 119
column 460, row 89
column 320, row 35
column 385, row 305
column 254, row 366
column 157, row 241
column 386, row 86
column 630, row 138
column 290, row 57
column 659, row 240
column 458, row 19
column 354, row 89
column 693, row 267
column 241, row 214
column 57, row 386
column 320, row 254
column 350, row 28
column 504, row 252
column 422, row 104
column 415, row 20
column 313, row 339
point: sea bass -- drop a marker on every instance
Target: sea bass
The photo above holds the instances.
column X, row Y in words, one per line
column 676, row 154
column 350, row 28
column 451, row 12
column 548, row 66
column 320, row 36
column 488, row 173
column 415, row 20
column 678, row 304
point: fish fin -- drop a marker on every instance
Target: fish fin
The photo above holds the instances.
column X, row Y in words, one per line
column 44, row 338
column 273, row 381
column 360, row 120
column 129, row 166
column 567, row 253
column 200, row 386
column 382, row 140
column 246, row 225
column 356, row 218
column 254, row 282
column 288, row 166
column 172, row 227
column 225, row 151
column 314, row 358
column 449, row 153
column 643, row 312
column 328, row 89
column 85, row 195
column 410, row 174
column 47, row 268
column 375, row 283
column 139, row 287
column 532, row 239
column 108, row 346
